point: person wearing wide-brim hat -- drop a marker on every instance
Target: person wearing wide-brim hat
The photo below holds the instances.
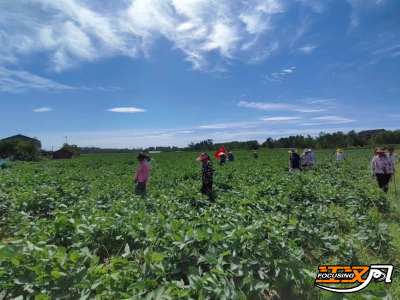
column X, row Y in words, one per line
column 340, row 155
column 142, row 175
column 207, row 173
column 294, row 161
column 305, row 159
column 383, row 168
column 222, row 158
column 230, row 156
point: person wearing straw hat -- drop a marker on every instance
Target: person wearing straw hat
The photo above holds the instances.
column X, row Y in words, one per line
column 294, row 161
column 230, row 157
column 142, row 175
column 222, row 158
column 207, row 173
column 305, row 159
column 383, row 169
column 340, row 155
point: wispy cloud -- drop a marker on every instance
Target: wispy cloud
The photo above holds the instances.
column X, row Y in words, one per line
column 230, row 125
column 333, row 119
column 43, row 109
column 310, row 124
column 307, row 49
column 184, row 132
column 266, row 106
column 15, row 81
column 394, row 90
column 276, row 77
column 127, row 110
column 274, row 119
column 73, row 32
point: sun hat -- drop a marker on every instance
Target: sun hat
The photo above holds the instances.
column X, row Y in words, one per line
column 380, row 150
column 305, row 150
column 221, row 153
column 141, row 155
column 202, row 157
column 339, row 150
column 292, row 150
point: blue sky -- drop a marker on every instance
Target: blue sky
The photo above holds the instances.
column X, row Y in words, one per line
column 139, row 73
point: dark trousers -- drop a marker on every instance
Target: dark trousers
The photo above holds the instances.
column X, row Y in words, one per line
column 383, row 181
column 140, row 189
column 206, row 187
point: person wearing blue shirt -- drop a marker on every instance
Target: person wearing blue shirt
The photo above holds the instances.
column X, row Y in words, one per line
column 230, row 157
column 294, row 161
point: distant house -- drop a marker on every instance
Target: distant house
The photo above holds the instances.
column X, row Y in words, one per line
column 367, row 134
column 22, row 137
column 62, row 154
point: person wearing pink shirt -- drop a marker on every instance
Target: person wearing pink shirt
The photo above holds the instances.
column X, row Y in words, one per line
column 142, row 175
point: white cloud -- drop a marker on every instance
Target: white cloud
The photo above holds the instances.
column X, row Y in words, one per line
column 184, row 132
column 396, row 54
column 15, row 81
column 127, row 110
column 316, row 5
column 43, row 109
column 307, row 49
column 310, row 124
column 277, row 77
column 280, row 118
column 73, row 32
column 334, row 119
column 266, row 106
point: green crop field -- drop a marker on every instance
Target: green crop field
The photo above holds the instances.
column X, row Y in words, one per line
column 74, row 229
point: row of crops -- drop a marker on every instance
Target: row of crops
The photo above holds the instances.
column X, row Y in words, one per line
column 75, row 230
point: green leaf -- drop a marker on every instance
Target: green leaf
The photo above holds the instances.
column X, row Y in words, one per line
column 61, row 250
column 42, row 297
column 157, row 256
column 74, row 256
column 218, row 271
column 57, row 274
column 15, row 262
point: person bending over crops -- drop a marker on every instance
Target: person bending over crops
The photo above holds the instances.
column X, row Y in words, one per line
column 142, row 175
column 255, row 155
column 207, row 173
column 230, row 156
column 340, row 155
column 305, row 159
column 294, row 161
column 383, row 168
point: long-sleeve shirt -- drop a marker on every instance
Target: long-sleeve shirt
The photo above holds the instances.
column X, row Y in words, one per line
column 306, row 159
column 207, row 172
column 313, row 158
column 382, row 165
column 340, row 156
column 230, row 157
column 142, row 173
column 294, row 161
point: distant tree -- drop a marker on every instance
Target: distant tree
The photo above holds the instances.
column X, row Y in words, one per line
column 73, row 148
column 20, row 150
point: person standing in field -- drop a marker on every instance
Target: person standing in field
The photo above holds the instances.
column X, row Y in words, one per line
column 393, row 156
column 142, row 175
column 340, row 155
column 313, row 157
column 230, row 156
column 207, row 173
column 383, row 168
column 305, row 159
column 150, row 162
column 255, row 154
column 294, row 161
column 222, row 158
